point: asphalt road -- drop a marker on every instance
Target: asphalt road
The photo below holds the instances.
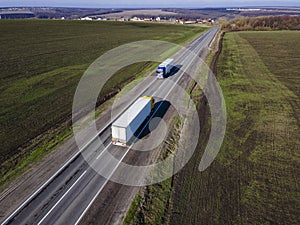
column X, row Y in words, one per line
column 66, row 197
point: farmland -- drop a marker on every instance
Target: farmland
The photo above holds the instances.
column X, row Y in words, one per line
column 41, row 64
column 254, row 179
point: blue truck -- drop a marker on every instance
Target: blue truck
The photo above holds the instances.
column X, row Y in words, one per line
column 164, row 69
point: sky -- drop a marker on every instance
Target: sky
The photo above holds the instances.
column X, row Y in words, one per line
column 148, row 3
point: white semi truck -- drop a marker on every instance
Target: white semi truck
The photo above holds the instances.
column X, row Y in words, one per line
column 128, row 123
column 164, row 69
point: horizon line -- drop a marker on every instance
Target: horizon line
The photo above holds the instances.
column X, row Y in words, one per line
column 155, row 7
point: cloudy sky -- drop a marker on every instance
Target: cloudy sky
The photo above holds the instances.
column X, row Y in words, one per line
column 149, row 3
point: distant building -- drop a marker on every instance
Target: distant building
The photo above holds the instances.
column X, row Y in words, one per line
column 190, row 22
column 122, row 19
column 245, row 9
column 86, row 18
column 136, row 19
column 147, row 19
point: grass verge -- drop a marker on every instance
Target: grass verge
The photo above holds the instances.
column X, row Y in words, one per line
column 153, row 204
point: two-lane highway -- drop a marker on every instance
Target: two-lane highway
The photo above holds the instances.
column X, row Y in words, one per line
column 67, row 195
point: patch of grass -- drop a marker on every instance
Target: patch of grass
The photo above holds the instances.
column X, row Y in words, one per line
column 41, row 64
column 153, row 204
column 145, row 72
column 254, row 178
column 43, row 146
column 280, row 52
column 134, row 207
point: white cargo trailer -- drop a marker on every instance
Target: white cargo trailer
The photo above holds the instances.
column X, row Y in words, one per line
column 164, row 69
column 128, row 123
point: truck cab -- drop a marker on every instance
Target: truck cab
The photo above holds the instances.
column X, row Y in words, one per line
column 160, row 72
column 164, row 69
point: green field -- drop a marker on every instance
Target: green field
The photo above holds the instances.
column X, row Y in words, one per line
column 41, row 64
column 255, row 178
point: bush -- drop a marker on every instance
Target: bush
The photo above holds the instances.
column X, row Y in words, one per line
column 263, row 23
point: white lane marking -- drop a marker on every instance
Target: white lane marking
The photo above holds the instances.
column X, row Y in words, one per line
column 39, row 190
column 62, row 197
column 101, row 153
column 106, row 181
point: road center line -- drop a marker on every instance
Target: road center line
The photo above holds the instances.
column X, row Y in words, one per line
column 62, row 197
column 101, row 153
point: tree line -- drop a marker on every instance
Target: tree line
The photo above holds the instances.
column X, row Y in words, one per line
column 263, row 23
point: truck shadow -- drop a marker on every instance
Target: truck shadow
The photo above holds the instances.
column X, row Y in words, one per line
column 159, row 111
column 174, row 70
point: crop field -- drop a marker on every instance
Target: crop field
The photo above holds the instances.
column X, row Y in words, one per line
column 41, row 63
column 255, row 178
